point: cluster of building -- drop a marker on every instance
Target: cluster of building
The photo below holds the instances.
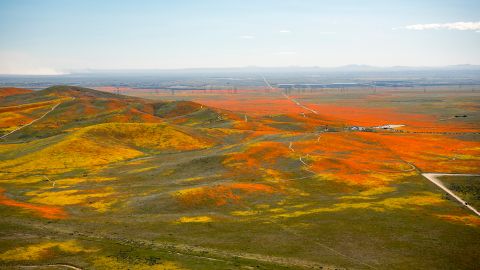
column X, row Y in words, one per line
column 371, row 129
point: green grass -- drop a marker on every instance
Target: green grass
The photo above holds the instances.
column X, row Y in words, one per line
column 466, row 187
column 142, row 225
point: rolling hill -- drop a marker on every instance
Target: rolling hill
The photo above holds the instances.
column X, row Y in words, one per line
column 97, row 180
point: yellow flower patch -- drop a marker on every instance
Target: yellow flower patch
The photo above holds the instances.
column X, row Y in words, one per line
column 39, row 251
column 468, row 220
column 387, row 204
column 197, row 219
column 95, row 199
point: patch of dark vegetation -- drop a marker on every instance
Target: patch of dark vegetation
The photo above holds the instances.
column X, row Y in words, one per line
column 289, row 126
column 75, row 91
column 175, row 108
column 468, row 188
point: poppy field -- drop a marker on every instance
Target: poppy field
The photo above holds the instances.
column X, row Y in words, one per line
column 251, row 179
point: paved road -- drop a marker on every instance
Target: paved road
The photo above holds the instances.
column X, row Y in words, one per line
column 433, row 177
column 34, row 120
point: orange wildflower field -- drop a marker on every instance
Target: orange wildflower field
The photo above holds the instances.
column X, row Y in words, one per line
column 276, row 180
column 49, row 212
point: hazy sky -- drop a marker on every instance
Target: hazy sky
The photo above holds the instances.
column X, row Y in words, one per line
column 44, row 36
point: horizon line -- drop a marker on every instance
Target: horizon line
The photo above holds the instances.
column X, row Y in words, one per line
column 359, row 66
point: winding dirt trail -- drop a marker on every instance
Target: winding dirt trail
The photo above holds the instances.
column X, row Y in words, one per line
column 433, row 177
column 33, row 121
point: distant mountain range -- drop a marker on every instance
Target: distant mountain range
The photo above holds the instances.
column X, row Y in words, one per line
column 258, row 69
column 252, row 76
column 255, row 69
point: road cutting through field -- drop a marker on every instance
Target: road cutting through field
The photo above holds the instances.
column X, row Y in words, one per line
column 433, row 177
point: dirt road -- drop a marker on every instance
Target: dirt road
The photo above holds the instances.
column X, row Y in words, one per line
column 433, row 177
column 299, row 104
column 34, row 120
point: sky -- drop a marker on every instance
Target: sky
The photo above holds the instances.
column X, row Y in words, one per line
column 63, row 36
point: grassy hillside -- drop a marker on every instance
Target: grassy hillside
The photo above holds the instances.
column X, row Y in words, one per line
column 11, row 91
column 105, row 181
